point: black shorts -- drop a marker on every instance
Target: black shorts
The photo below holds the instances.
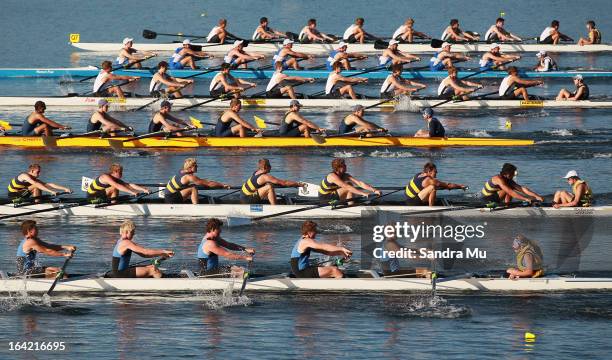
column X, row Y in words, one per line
column 387, row 95
column 36, row 271
column 309, row 272
column 547, row 40
column 274, row 93
column 492, row 198
column 203, row 272
column 329, row 197
column 295, row 132
column 218, row 93
column 214, row 39
column 334, row 94
column 446, row 95
column 127, row 273
column 25, row 194
column 351, row 39
column 250, row 199
column 102, row 93
column 415, row 201
column 173, row 198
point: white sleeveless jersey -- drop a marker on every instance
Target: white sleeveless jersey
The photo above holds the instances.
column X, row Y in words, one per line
column 274, row 80
column 216, row 82
column 442, row 86
column 445, row 35
column 549, row 64
column 101, row 79
column 546, row 33
column 349, row 31
column 331, row 81
column 387, row 86
column 504, row 86
column 157, row 85
column 490, row 32
column 213, row 32
column 400, row 30
column 302, row 36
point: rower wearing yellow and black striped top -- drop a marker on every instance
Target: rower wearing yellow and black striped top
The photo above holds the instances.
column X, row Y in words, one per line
column 581, row 194
column 502, row 188
column 259, row 187
column 27, row 186
column 106, row 187
column 340, row 185
column 422, row 188
column 183, row 186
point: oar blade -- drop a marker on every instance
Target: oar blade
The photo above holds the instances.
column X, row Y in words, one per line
column 436, row 43
column 149, row 34
column 5, row 125
column 237, row 221
column 49, row 141
column 318, row 138
column 261, row 123
column 116, row 144
column 196, row 122
column 380, row 45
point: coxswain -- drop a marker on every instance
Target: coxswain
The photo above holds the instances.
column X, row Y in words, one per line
column 452, row 87
column 444, row 58
column 493, row 59
column 529, row 259
column 214, row 246
column 27, row 186
column 130, row 57
column 280, row 84
column 163, row 121
column 259, row 187
column 224, row 127
column 338, row 86
column 502, row 188
column 264, row 32
column 593, row 37
column 355, row 33
column 342, row 57
column 164, row 84
column 513, row 87
column 37, row 124
column 183, row 186
column 184, row 57
column 422, row 188
column 339, row 185
column 454, row 34
column 356, row 123
column 101, row 120
column 581, row 194
column 497, row 33
column 106, row 187
column 310, row 34
column 300, row 255
column 31, row 245
column 434, row 126
column 219, row 33
column 122, row 253
column 545, row 62
column 392, row 56
column 288, row 57
column 406, row 33
column 224, row 83
column 103, row 86
column 237, row 57
column 552, row 35
column 294, row 124
column 581, row 92
column 395, row 84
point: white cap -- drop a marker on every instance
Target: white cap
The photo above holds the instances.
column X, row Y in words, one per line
column 495, row 45
column 186, row 42
column 541, row 53
column 288, row 41
column 238, row 42
column 578, row 77
column 127, row 40
column 393, row 42
column 571, row 173
column 445, row 44
column 342, row 44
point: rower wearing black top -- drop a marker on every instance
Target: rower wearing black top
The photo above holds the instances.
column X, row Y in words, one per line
column 434, row 126
column 294, row 124
column 106, row 187
column 224, row 127
column 581, row 92
column 37, row 124
column 259, row 187
column 101, row 120
column 355, row 122
column 162, row 121
column 183, row 185
column 27, row 186
column 339, row 185
column 502, row 188
column 422, row 188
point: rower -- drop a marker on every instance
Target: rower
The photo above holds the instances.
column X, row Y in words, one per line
column 237, row 57
column 264, row 32
column 287, row 57
column 406, row 33
column 103, row 86
column 392, row 56
column 422, row 188
column 552, row 35
column 127, row 56
column 310, row 34
column 186, row 57
column 122, row 253
column 545, row 62
column 452, row 87
column 163, row 121
column 224, row 83
column 339, row 185
column 444, row 58
column 106, row 187
column 513, row 87
column 102, row 121
column 594, row 36
column 454, row 34
column 300, row 255
column 581, row 92
column 213, row 246
column 356, row 33
column 294, row 124
column 182, row 187
column 502, row 188
column 342, row 57
column 280, row 83
column 395, row 84
column 498, row 33
column 219, row 33
column 37, row 124
column 164, row 84
column 434, row 126
column 31, row 245
column 224, row 126
column 28, row 187
column 581, row 194
column 260, row 186
column 338, row 86
column 529, row 259
column 355, row 123
column 493, row 58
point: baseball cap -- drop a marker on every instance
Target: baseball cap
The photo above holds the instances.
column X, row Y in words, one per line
column 288, row 41
column 578, row 77
column 495, row 45
column 445, row 44
column 238, row 42
column 428, row 111
column 165, row 103
column 102, row 102
column 541, row 53
column 295, row 103
column 357, row 108
column 393, row 42
column 186, row 42
column 342, row 44
column 571, row 173
column 127, row 40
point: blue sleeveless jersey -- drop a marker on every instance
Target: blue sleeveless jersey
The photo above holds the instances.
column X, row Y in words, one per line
column 124, row 260
column 212, row 260
column 303, row 258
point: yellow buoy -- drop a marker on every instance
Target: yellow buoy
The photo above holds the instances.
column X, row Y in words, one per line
column 508, row 124
column 530, row 336
column 502, row 14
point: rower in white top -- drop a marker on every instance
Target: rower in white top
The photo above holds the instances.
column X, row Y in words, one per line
column 341, row 86
column 452, row 87
column 128, row 56
column 393, row 56
column 219, row 33
column 164, row 84
column 444, row 59
column 355, row 33
column 102, row 85
column 225, row 84
column 497, row 32
column 453, row 33
column 289, row 58
column 493, row 58
column 185, row 56
column 395, row 84
column 552, row 35
column 342, row 57
column 513, row 87
column 545, row 62
column 237, row 57
column 264, row 32
column 310, row 34
column 280, row 83
column 406, row 33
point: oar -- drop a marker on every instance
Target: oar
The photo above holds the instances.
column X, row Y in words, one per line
column 214, row 98
column 159, row 98
column 265, row 91
column 245, row 276
column 321, row 138
column 118, row 67
column 368, row 70
column 118, row 144
column 261, row 123
column 7, row 125
column 32, row 200
column 150, row 34
column 487, row 69
column 60, row 274
column 101, row 89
